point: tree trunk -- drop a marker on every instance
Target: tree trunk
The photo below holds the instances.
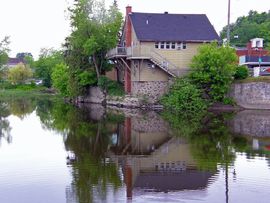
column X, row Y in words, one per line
column 96, row 66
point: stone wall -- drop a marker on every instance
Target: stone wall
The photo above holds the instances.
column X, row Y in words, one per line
column 149, row 122
column 94, row 95
column 151, row 90
column 253, row 95
column 251, row 123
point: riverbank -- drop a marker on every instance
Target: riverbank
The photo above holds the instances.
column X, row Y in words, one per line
column 20, row 93
column 251, row 93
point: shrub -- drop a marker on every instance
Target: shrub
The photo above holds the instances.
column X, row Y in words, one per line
column 241, row 72
column 213, row 69
column 229, row 101
column 112, row 87
column 60, row 78
column 184, row 96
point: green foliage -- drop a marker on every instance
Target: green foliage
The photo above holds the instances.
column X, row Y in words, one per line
column 60, row 78
column 95, row 31
column 4, row 51
column 247, row 27
column 184, row 124
column 3, row 56
column 229, row 101
column 44, row 66
column 87, row 78
column 241, row 72
column 184, row 96
column 111, row 87
column 23, row 55
column 19, row 74
column 212, row 69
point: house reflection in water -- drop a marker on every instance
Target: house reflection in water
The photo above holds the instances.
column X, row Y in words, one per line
column 152, row 160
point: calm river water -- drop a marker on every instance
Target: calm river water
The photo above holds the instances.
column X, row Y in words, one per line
column 52, row 152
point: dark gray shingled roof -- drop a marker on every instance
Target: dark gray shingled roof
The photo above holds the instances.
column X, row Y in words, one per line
column 173, row 27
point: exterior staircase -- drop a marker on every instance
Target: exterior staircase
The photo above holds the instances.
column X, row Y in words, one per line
column 122, row 52
column 163, row 63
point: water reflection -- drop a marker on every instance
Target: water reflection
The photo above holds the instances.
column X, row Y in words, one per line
column 4, row 123
column 145, row 152
column 87, row 136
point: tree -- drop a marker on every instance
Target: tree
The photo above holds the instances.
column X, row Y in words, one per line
column 247, row 27
column 212, row 69
column 95, row 31
column 3, row 55
column 19, row 74
column 60, row 78
column 22, row 55
column 44, row 66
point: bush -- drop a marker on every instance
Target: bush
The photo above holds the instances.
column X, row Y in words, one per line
column 241, row 72
column 229, row 101
column 60, row 79
column 184, row 96
column 112, row 87
column 213, row 69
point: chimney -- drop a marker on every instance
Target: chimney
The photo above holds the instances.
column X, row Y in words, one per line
column 128, row 10
column 128, row 26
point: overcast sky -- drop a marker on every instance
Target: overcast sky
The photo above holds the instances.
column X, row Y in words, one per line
column 34, row 24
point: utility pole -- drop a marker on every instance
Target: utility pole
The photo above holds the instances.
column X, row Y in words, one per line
column 228, row 25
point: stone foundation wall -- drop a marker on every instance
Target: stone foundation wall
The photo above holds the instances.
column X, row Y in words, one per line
column 149, row 122
column 95, row 95
column 253, row 95
column 153, row 90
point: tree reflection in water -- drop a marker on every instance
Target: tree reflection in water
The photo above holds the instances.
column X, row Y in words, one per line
column 89, row 137
column 19, row 107
column 212, row 142
column 87, row 141
column 4, row 123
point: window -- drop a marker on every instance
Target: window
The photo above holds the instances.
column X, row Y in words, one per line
column 162, row 45
column 156, row 45
column 179, row 46
column 173, row 45
column 167, row 45
column 184, row 45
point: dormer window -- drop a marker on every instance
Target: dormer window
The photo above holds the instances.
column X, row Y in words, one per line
column 257, row 43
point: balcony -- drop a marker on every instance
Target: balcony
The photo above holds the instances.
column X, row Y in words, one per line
column 144, row 52
column 117, row 52
column 134, row 52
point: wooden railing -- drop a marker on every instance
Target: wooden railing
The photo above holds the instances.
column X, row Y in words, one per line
column 145, row 52
column 117, row 52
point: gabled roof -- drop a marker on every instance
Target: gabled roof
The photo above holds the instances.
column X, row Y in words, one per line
column 173, row 27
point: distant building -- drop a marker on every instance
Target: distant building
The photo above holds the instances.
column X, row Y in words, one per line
column 12, row 62
column 255, row 57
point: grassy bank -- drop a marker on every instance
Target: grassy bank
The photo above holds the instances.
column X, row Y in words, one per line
column 23, row 92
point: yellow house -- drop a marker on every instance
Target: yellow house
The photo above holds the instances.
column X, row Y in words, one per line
column 156, row 47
